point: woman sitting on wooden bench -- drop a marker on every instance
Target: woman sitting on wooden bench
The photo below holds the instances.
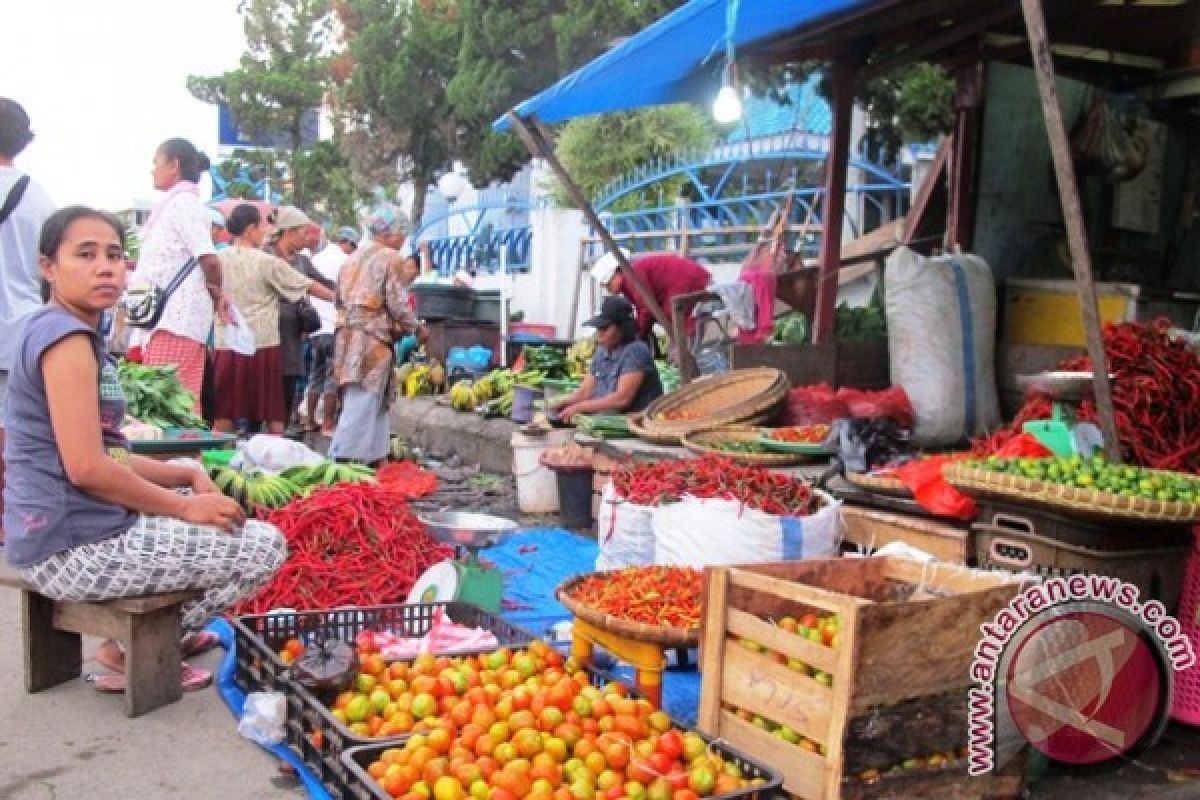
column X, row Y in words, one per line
column 84, row 519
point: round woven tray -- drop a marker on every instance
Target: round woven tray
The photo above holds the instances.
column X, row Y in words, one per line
column 721, row 400
column 654, row 634
column 879, row 484
column 1069, row 500
column 635, row 427
column 702, row 443
column 638, row 428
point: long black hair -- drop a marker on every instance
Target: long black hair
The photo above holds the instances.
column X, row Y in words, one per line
column 192, row 163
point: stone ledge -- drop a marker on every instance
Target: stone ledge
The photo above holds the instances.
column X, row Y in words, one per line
column 441, row 431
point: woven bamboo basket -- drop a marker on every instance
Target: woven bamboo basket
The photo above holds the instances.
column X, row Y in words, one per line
column 1069, row 500
column 719, row 401
column 879, row 484
column 638, row 427
column 702, row 443
column 654, row 634
column 635, row 427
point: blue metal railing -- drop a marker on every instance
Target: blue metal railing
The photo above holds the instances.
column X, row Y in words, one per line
column 484, row 252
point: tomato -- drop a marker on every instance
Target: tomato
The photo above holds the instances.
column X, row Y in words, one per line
column 671, row 743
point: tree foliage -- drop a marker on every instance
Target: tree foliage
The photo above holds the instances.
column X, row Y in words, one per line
column 599, row 149
column 398, row 123
column 511, row 51
column 282, row 74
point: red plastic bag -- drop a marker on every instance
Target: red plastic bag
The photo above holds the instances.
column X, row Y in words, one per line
column 814, row 405
column 407, row 478
column 1025, row 445
column 892, row 402
column 924, row 477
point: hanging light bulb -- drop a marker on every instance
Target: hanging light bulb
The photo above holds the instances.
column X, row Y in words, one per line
column 727, row 107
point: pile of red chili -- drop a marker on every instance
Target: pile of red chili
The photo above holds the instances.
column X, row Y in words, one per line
column 1156, row 398
column 650, row 595
column 348, row 544
column 714, row 476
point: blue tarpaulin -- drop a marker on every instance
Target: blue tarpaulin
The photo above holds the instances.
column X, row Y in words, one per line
column 677, row 59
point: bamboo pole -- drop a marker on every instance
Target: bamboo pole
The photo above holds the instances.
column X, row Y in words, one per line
column 1068, row 191
column 537, row 144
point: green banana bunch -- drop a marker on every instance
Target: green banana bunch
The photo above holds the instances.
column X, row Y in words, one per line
column 327, row 473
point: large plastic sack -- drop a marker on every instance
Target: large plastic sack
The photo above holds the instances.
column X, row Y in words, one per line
column 941, row 320
column 818, row 404
column 708, row 532
column 624, row 532
column 924, row 477
column 274, row 454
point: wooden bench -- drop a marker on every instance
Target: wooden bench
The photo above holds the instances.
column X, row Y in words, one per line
column 148, row 626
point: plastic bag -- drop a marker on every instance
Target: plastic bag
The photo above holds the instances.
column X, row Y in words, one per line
column 814, row 405
column 941, row 320
column 706, row 532
column 274, row 454
column 891, row 403
column 238, row 336
column 1024, row 445
column 625, row 532
column 930, row 490
column 263, row 717
column 1105, row 141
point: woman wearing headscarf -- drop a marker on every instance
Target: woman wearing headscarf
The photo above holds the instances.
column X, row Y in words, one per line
column 179, row 229
column 373, row 314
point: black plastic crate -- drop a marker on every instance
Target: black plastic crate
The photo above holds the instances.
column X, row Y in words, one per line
column 359, row 785
column 1105, row 536
column 259, row 638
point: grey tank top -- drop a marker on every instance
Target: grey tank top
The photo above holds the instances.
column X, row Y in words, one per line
column 44, row 513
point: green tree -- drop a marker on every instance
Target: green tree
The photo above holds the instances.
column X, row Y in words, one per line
column 392, row 100
column 597, row 150
column 282, row 76
column 323, row 174
column 511, row 51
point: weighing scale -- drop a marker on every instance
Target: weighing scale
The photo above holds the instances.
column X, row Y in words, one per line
column 463, row 578
column 1061, row 434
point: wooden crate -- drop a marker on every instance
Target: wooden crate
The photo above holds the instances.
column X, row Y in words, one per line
column 871, row 529
column 860, row 364
column 899, row 674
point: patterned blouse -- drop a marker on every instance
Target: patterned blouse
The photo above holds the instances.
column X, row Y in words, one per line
column 255, row 281
column 373, row 314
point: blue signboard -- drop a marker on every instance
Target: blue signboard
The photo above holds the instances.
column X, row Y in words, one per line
column 229, row 136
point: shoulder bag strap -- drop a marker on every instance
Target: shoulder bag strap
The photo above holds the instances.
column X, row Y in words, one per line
column 180, row 277
column 14, row 198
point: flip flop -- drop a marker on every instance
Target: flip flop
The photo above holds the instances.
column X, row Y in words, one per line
column 193, row 679
column 196, row 643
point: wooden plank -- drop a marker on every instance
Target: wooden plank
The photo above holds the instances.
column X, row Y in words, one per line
column 51, row 656
column 921, row 203
column 803, row 772
column 878, row 242
column 871, row 529
column 842, row 104
column 1077, row 241
column 748, row 626
column 964, row 169
column 152, row 659
column 851, row 632
column 712, row 650
column 948, row 577
column 920, row 648
column 797, row 592
column 752, row 681
column 93, row 619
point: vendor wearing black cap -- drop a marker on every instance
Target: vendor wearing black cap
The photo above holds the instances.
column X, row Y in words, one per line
column 622, row 376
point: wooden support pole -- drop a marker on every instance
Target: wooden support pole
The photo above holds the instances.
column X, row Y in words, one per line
column 1068, row 192
column 835, row 198
column 538, row 145
column 964, row 171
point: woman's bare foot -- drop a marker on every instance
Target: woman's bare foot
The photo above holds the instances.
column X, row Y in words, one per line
column 109, row 656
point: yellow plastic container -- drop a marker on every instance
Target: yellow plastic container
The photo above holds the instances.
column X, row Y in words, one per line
column 1048, row 313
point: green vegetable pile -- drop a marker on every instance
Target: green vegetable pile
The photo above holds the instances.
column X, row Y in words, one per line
column 550, row 361
column 668, row 376
column 604, row 426
column 155, row 396
column 866, row 322
column 791, row 328
column 739, row 447
column 1097, row 473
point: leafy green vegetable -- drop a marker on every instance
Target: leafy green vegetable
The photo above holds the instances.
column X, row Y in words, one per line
column 155, row 396
column 791, row 328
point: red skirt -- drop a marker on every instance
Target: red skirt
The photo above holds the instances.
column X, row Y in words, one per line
column 249, row 387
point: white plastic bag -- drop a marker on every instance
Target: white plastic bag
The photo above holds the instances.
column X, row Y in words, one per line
column 624, row 531
column 709, row 532
column 263, row 717
column 274, row 454
column 238, row 336
column 941, row 320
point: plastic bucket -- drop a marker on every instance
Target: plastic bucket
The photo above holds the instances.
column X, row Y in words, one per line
column 537, row 485
column 575, row 496
column 523, row 400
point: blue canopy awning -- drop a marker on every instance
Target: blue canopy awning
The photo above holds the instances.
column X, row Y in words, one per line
column 677, row 59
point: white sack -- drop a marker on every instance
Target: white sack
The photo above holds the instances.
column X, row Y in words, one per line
column 707, row 532
column 941, row 320
column 624, row 532
column 274, row 454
